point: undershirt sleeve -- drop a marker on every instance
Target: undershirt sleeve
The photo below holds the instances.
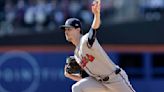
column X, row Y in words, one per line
column 91, row 37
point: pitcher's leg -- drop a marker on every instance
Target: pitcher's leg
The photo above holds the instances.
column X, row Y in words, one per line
column 120, row 83
column 88, row 85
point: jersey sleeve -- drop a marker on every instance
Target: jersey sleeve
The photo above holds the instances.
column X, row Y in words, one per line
column 91, row 37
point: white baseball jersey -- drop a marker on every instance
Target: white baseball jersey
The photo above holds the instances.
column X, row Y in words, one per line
column 93, row 59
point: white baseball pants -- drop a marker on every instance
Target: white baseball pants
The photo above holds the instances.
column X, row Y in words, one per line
column 118, row 84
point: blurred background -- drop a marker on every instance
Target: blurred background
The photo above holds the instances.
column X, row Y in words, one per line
column 33, row 48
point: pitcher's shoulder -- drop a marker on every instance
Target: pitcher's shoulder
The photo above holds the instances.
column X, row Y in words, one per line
column 85, row 37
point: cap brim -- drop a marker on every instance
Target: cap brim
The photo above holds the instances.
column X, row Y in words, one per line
column 65, row 26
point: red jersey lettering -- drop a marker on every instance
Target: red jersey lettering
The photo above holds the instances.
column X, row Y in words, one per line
column 86, row 59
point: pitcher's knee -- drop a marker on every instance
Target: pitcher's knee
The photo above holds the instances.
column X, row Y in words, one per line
column 76, row 88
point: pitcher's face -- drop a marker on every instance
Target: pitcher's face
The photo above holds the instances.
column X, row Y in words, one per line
column 70, row 33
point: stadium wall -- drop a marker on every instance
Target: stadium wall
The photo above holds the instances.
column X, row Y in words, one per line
column 40, row 68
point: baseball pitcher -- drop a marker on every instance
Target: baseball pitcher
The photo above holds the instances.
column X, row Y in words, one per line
column 104, row 75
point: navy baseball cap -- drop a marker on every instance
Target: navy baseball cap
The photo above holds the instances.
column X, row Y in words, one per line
column 71, row 22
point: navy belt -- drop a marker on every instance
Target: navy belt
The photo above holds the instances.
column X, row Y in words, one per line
column 117, row 71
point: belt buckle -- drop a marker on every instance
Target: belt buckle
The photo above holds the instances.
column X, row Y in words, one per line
column 106, row 78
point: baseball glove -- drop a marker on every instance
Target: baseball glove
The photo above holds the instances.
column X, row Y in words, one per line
column 72, row 66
